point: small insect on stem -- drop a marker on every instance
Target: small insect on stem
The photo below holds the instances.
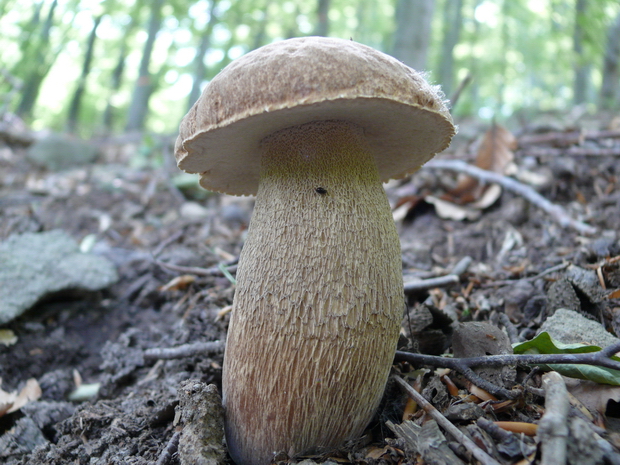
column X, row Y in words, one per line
column 321, row 190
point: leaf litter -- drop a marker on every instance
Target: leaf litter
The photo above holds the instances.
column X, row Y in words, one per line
column 175, row 248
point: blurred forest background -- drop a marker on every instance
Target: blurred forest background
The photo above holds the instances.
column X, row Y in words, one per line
column 97, row 67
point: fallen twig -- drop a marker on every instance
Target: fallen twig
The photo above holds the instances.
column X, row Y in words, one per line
column 556, row 212
column 601, row 358
column 565, row 139
column 185, row 350
column 213, row 271
column 166, row 242
column 574, row 151
column 442, row 421
column 430, row 283
column 462, row 265
column 550, row 270
column 171, row 448
column 553, row 426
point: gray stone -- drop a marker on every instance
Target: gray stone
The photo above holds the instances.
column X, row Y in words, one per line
column 33, row 265
column 201, row 410
column 477, row 339
column 56, row 152
column 570, row 327
column 21, row 439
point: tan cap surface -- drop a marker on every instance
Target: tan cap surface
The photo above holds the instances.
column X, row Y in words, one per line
column 296, row 81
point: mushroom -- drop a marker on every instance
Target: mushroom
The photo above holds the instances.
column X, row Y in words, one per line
column 311, row 126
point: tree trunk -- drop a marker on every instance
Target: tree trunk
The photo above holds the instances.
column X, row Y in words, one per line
column 452, row 20
column 505, row 45
column 109, row 115
column 293, row 30
column 474, row 91
column 41, row 64
column 200, row 69
column 261, row 33
column 581, row 69
column 76, row 102
column 144, row 86
column 322, row 13
column 610, row 88
column 28, row 39
column 413, row 32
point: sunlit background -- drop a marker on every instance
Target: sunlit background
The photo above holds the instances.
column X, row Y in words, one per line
column 523, row 56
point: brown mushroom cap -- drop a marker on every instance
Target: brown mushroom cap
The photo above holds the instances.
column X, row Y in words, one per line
column 296, row 81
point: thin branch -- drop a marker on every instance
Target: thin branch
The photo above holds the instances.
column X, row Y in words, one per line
column 183, row 351
column 462, row 265
column 505, row 282
column 430, row 283
column 166, row 242
column 442, row 421
column 574, row 151
column 553, row 428
column 171, row 448
column 213, row 271
column 600, row 358
column 446, row 280
column 555, row 211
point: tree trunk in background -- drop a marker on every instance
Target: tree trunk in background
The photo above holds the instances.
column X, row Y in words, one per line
column 505, row 45
column 322, row 23
column 76, row 102
column 452, row 21
column 40, row 62
column 473, row 63
column 109, row 115
column 200, row 69
column 610, row 88
column 413, row 32
column 361, row 30
column 581, row 69
column 28, row 40
column 292, row 30
column 144, row 85
column 261, row 33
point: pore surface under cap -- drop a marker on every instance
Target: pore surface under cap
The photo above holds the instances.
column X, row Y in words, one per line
column 296, row 81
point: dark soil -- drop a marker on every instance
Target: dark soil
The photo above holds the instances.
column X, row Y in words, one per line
column 141, row 220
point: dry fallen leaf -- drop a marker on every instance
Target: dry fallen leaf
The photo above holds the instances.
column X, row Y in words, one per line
column 529, row 429
column 495, row 154
column 469, row 197
column 593, row 395
column 11, row 401
column 178, row 283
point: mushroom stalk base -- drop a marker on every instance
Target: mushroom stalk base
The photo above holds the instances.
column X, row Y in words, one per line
column 319, row 298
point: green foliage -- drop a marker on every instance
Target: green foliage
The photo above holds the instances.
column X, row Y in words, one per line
column 519, row 52
column 544, row 344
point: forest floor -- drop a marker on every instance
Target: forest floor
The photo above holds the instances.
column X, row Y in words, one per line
column 168, row 246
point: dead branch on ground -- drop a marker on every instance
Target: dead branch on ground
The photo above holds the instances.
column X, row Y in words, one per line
column 464, row 366
column 442, row 421
column 553, row 426
column 555, row 211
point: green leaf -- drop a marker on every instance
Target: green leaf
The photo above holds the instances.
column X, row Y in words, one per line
column 545, row 344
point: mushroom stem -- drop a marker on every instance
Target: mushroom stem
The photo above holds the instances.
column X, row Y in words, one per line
column 319, row 298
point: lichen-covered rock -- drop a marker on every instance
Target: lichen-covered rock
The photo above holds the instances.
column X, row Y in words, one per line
column 570, row 327
column 34, row 265
column 57, row 152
